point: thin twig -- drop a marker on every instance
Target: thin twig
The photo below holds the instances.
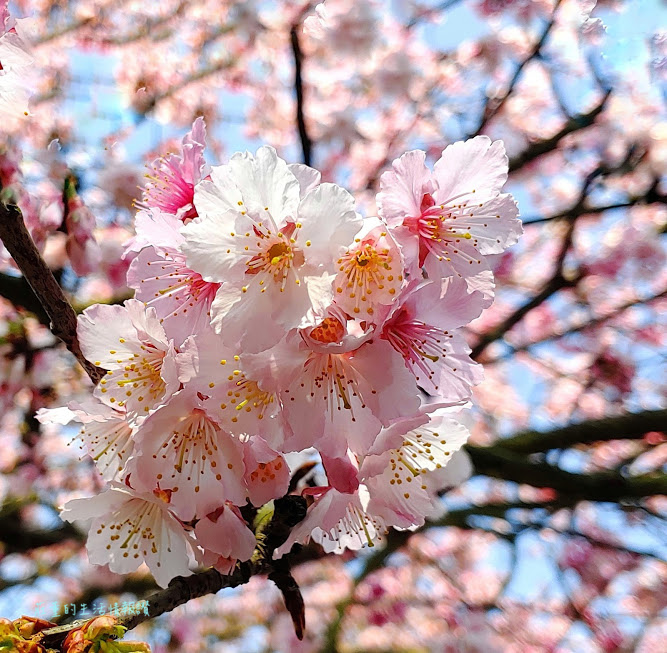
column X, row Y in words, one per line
column 595, row 322
column 494, row 105
column 573, row 124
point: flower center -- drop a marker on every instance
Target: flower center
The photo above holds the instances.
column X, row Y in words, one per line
column 135, row 527
column 277, row 252
column 280, row 259
column 266, row 472
column 140, row 376
column 246, row 397
column 190, row 447
column 362, row 272
column 329, row 331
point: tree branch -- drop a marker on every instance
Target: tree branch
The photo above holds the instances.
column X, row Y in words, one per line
column 623, row 427
column 20, row 245
column 181, row 590
column 595, row 210
column 306, row 143
column 497, row 462
column 573, row 124
column 494, row 105
column 556, row 283
column 581, row 327
column 18, row 291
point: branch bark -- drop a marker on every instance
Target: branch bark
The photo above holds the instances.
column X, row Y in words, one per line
column 497, row 462
column 306, row 142
column 37, row 273
column 623, row 427
column 181, row 590
column 573, row 124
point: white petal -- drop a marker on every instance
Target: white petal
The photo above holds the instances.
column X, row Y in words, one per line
column 308, row 177
column 476, row 168
column 266, row 183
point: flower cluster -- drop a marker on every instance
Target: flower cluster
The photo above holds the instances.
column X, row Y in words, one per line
column 272, row 322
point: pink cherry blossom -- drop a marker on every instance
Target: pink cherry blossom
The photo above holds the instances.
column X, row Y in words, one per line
column 83, row 251
column 451, row 216
column 180, row 448
column 106, row 434
column 370, row 272
column 130, row 527
column 335, row 396
column 347, row 28
column 143, row 366
column 173, row 177
column 337, row 521
column 267, row 474
column 273, row 252
column 422, row 329
column 225, row 538
column 385, row 490
column 181, row 298
column 235, row 389
column 16, row 66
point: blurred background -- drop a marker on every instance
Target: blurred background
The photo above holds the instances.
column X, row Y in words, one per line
column 558, row 540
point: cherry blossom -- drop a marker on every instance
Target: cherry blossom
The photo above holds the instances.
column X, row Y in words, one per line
column 143, row 366
column 16, row 64
column 159, row 274
column 105, row 433
column 370, row 272
column 183, row 450
column 271, row 318
column 422, row 329
column 573, row 334
column 349, row 29
column 384, row 490
column 267, row 474
column 273, row 252
column 225, row 538
column 449, row 217
column 129, row 528
column 172, row 178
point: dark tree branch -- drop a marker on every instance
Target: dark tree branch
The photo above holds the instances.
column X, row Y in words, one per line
column 581, row 327
column 18, row 291
column 623, row 427
column 20, row 245
column 497, row 462
column 181, row 590
column 571, row 532
column 306, row 143
column 573, row 124
column 575, row 212
column 556, row 283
